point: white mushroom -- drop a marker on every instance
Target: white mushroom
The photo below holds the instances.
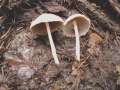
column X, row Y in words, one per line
column 45, row 24
column 75, row 26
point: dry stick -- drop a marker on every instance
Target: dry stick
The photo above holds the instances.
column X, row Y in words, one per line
column 115, row 6
column 52, row 44
column 77, row 41
column 3, row 36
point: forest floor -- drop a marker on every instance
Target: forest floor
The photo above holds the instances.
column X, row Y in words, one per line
column 99, row 68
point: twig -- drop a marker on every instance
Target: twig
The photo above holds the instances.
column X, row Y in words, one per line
column 115, row 6
column 3, row 36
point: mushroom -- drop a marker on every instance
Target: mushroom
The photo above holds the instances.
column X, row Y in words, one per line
column 75, row 26
column 45, row 24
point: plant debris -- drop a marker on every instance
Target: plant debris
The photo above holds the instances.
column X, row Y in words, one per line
column 26, row 62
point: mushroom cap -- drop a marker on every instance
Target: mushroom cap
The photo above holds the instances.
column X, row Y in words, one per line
column 83, row 24
column 38, row 25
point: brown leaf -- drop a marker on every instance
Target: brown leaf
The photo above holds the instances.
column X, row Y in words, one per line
column 52, row 71
column 56, row 88
column 12, row 62
column 94, row 42
column 95, row 39
column 54, row 7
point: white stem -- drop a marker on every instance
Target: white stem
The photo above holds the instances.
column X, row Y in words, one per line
column 77, row 41
column 52, row 44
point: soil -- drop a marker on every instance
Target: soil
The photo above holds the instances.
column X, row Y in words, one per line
column 26, row 62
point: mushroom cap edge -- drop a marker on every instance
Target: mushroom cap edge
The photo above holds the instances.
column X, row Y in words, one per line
column 67, row 28
column 46, row 17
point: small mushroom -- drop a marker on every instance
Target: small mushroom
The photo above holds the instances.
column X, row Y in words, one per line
column 75, row 26
column 45, row 24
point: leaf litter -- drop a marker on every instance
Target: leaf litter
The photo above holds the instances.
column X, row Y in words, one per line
column 94, row 72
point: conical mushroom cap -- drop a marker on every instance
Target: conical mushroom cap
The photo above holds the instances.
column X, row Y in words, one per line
column 83, row 24
column 38, row 25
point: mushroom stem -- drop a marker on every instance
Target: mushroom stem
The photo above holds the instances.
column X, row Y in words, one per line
column 52, row 44
column 77, row 41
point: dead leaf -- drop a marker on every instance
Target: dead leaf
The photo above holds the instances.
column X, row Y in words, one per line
column 95, row 39
column 52, row 71
column 56, row 88
column 13, row 62
column 54, row 7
